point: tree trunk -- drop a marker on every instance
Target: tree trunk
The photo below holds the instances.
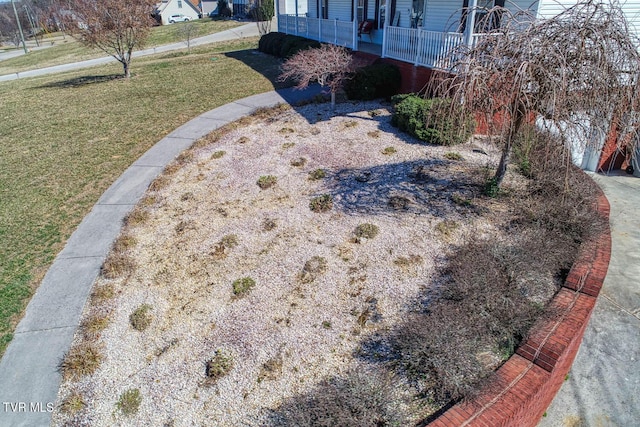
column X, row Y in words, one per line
column 333, row 100
column 517, row 117
column 127, row 72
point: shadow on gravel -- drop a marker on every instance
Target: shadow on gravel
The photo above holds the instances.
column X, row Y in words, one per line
column 415, row 187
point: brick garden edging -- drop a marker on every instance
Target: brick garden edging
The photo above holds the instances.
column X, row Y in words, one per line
column 525, row 385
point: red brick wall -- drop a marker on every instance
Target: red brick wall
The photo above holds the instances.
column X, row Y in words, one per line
column 527, row 383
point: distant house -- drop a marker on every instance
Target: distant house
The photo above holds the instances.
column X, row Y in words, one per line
column 168, row 8
column 209, row 6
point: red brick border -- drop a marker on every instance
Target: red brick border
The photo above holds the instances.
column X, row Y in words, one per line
column 527, row 383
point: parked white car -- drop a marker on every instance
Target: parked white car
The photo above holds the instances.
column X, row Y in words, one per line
column 178, row 18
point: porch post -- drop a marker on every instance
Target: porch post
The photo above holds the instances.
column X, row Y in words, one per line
column 471, row 18
column 355, row 24
column 385, row 30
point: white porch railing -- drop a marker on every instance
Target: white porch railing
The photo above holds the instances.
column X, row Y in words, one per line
column 431, row 49
column 341, row 33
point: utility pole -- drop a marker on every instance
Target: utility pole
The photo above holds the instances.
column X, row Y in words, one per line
column 24, row 45
column 31, row 22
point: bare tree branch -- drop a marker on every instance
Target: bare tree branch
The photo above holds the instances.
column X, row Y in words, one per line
column 575, row 72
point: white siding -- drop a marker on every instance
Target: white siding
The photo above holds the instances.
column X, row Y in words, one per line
column 631, row 9
column 442, row 15
column 340, row 10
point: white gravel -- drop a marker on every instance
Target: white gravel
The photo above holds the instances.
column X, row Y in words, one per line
column 314, row 327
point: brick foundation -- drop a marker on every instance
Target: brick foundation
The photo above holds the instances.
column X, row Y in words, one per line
column 527, row 383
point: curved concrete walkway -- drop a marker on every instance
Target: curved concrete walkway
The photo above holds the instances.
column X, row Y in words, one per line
column 246, row 30
column 603, row 387
column 29, row 377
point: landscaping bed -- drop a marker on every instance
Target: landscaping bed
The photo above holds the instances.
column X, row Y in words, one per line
column 296, row 269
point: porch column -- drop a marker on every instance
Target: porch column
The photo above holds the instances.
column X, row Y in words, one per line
column 355, row 24
column 471, row 18
column 385, row 30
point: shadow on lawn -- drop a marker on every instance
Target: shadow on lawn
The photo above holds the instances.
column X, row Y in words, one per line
column 82, row 81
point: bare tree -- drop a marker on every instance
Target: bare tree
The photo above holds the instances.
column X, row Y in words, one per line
column 329, row 65
column 578, row 71
column 116, row 27
column 187, row 31
column 263, row 11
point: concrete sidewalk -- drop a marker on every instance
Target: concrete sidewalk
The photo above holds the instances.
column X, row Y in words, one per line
column 246, row 30
column 603, row 387
column 29, row 377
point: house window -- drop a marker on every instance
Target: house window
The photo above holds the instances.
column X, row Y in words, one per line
column 323, row 9
column 179, row 4
column 417, row 9
column 361, row 13
column 484, row 21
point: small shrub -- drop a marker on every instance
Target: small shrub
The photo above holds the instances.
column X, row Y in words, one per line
column 102, row 293
column 299, row 162
column 269, row 224
column 389, row 151
column 81, row 360
column 94, row 324
column 323, row 203
column 367, row 231
column 73, row 403
column 360, row 398
column 266, row 181
column 129, row 401
column 271, row 369
column 399, row 202
column 286, row 130
column 326, row 324
column 243, row 140
column 242, row 286
column 313, row 268
column 491, row 188
column 405, row 262
column 456, row 157
column 124, row 242
column 373, row 134
column 117, row 265
column 287, row 145
column 374, row 81
column 218, row 154
column 431, row 120
column 136, row 217
column 219, row 365
column 447, row 227
column 460, row 200
column 140, row 319
column 221, row 250
column 317, row 174
column 229, row 241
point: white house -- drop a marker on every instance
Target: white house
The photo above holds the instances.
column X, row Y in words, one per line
column 167, row 8
column 421, row 32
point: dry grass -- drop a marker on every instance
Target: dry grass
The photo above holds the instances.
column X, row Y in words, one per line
column 81, row 360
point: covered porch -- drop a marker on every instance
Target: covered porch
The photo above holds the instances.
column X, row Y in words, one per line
column 405, row 40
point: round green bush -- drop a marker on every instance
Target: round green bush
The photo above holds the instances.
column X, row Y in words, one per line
column 436, row 120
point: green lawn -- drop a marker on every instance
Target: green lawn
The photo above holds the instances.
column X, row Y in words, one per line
column 65, row 138
column 70, row 50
